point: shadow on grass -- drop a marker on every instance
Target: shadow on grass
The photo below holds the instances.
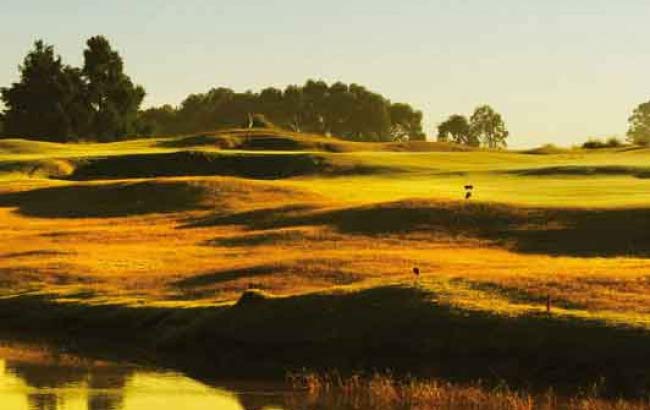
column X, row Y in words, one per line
column 585, row 170
column 195, row 163
column 260, row 238
column 518, row 295
column 226, row 276
column 271, row 217
column 576, row 232
column 113, row 200
column 398, row 328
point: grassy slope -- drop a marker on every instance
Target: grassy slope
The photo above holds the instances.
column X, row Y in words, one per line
column 334, row 237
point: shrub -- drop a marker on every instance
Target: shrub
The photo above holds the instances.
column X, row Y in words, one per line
column 595, row 143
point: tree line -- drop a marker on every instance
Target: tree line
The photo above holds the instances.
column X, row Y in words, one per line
column 99, row 102
column 485, row 127
column 347, row 111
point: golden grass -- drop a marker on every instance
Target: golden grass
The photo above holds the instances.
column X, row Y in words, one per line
column 132, row 246
column 384, row 392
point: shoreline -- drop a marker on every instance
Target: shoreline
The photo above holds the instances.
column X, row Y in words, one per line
column 395, row 329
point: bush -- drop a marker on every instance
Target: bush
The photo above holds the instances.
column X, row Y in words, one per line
column 594, row 143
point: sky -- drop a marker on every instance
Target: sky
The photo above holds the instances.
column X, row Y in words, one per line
column 559, row 71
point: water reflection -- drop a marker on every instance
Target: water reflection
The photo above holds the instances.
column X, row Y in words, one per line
column 33, row 379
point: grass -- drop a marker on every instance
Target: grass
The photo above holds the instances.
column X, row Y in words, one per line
column 381, row 391
column 324, row 235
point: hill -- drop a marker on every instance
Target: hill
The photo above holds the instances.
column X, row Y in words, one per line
column 163, row 237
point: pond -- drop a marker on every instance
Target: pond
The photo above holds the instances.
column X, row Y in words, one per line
column 36, row 378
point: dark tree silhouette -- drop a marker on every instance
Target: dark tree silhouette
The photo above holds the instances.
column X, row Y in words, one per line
column 347, row 111
column 100, row 102
column 114, row 99
column 456, row 128
column 48, row 102
column 485, row 127
column 56, row 102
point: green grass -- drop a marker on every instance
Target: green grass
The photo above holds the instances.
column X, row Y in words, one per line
column 356, row 171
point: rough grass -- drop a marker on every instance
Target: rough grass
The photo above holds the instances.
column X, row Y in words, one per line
column 381, row 391
column 330, row 237
column 410, row 330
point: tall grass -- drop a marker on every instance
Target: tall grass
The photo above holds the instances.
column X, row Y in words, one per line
column 384, row 392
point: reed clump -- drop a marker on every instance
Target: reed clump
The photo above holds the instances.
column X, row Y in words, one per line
column 385, row 392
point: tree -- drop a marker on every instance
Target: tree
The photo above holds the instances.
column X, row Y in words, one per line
column 457, row 128
column 293, row 105
column 315, row 95
column 639, row 131
column 158, row 121
column 114, row 99
column 347, row 111
column 405, row 122
column 488, row 127
column 48, row 102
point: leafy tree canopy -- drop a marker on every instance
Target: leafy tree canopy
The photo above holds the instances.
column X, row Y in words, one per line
column 485, row 127
column 488, row 126
column 457, row 129
column 47, row 101
column 639, row 131
column 56, row 102
column 348, row 111
column 114, row 99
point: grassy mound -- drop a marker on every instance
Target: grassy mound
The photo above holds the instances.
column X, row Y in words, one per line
column 105, row 200
column 253, row 297
column 577, row 232
column 586, row 170
column 426, row 146
column 100, row 200
column 45, row 168
column 282, row 140
column 547, row 149
column 402, row 328
column 197, row 163
column 22, row 146
column 265, row 140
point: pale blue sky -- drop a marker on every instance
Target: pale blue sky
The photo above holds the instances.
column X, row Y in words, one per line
column 558, row 70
